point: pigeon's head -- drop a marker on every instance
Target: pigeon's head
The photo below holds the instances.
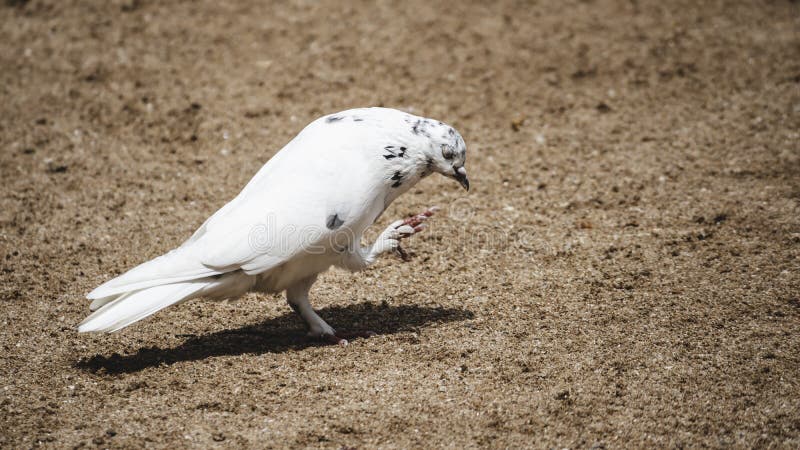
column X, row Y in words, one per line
column 448, row 154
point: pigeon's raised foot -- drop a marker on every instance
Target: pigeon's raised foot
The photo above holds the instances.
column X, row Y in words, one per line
column 341, row 338
column 416, row 224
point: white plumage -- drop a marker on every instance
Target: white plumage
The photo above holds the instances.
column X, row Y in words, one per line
column 304, row 211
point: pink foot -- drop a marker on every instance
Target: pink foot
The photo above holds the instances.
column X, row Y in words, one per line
column 415, row 222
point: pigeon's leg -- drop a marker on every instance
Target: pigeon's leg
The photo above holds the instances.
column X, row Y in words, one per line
column 360, row 258
column 297, row 297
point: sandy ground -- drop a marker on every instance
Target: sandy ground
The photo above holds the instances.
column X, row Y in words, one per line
column 624, row 273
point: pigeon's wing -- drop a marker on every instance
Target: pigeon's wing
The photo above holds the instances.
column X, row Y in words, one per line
column 300, row 201
column 261, row 232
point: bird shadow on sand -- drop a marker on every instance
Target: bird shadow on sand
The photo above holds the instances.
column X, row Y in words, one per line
column 276, row 335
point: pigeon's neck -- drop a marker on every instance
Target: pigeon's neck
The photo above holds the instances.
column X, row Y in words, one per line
column 404, row 166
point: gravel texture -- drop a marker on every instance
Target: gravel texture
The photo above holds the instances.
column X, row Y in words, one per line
column 624, row 273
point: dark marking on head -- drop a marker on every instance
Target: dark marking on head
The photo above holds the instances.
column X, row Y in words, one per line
column 451, row 132
column 357, row 119
column 332, row 119
column 397, row 184
column 420, row 128
column 389, row 156
column 333, row 222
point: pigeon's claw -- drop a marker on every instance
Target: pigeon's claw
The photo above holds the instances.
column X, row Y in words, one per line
column 409, row 227
column 390, row 238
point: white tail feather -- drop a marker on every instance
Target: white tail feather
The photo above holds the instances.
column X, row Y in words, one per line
column 174, row 267
column 134, row 306
column 102, row 301
column 115, row 312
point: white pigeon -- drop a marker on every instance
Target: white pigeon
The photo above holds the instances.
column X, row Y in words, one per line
column 304, row 211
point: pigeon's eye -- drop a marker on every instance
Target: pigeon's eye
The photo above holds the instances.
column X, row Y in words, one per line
column 447, row 151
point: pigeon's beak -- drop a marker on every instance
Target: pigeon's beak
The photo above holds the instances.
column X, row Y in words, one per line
column 460, row 174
